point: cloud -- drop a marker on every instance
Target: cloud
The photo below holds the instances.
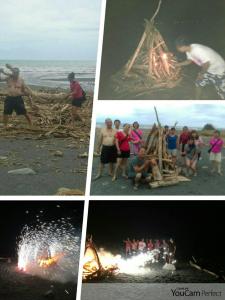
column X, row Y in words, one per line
column 48, row 24
column 190, row 114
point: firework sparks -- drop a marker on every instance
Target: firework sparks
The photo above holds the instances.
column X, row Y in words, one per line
column 49, row 250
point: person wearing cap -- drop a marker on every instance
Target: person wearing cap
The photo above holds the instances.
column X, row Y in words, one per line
column 16, row 89
column 77, row 97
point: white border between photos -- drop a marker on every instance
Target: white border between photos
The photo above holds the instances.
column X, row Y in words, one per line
column 91, row 147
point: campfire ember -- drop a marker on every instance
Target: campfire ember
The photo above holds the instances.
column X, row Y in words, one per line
column 152, row 66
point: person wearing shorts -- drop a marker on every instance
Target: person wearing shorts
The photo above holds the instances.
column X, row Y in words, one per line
column 191, row 156
column 139, row 169
column 216, row 145
column 107, row 148
column 16, row 89
column 123, row 150
column 77, row 98
column 172, row 144
column 212, row 66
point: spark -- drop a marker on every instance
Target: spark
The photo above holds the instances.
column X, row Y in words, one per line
column 49, row 250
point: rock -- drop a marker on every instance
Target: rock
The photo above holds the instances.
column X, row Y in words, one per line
column 96, row 154
column 3, row 158
column 23, row 171
column 69, row 192
column 84, row 155
column 58, row 153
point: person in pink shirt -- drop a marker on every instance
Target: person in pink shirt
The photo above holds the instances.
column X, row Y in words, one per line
column 77, row 97
column 137, row 136
column 123, row 139
column 216, row 145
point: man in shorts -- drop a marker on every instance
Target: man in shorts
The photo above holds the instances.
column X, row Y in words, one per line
column 139, row 169
column 212, row 66
column 16, row 89
column 77, row 97
column 107, row 148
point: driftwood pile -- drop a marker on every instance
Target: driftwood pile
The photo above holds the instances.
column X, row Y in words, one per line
column 51, row 116
column 165, row 173
column 151, row 67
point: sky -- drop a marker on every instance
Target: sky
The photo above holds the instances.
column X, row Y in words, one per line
column 49, row 29
column 190, row 114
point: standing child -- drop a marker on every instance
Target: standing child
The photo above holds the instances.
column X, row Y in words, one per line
column 215, row 151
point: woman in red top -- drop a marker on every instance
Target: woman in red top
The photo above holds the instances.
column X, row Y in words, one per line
column 77, row 97
column 123, row 150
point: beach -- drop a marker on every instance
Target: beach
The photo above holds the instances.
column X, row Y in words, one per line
column 203, row 184
column 55, row 152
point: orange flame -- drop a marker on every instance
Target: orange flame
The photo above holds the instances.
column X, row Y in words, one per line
column 47, row 262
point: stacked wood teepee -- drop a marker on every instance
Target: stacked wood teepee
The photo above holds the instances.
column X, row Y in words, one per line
column 165, row 173
column 152, row 66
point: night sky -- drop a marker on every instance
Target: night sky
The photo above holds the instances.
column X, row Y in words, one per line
column 197, row 227
column 13, row 218
column 202, row 21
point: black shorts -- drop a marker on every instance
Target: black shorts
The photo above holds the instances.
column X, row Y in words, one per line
column 124, row 154
column 108, row 154
column 14, row 104
column 78, row 102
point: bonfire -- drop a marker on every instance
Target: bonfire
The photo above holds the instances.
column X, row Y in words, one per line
column 152, row 65
column 164, row 173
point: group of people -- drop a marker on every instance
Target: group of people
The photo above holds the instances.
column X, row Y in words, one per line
column 163, row 250
column 125, row 149
column 17, row 89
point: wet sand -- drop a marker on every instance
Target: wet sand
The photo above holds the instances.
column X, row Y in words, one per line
column 52, row 172
column 15, row 285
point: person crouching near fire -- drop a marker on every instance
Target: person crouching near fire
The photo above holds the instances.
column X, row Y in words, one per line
column 139, row 168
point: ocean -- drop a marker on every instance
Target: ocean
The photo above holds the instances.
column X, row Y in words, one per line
column 53, row 74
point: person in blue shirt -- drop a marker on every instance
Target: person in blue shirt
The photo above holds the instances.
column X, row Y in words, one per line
column 172, row 144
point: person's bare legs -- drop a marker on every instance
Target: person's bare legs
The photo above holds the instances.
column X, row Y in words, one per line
column 118, row 165
column 137, row 180
column 75, row 113
column 218, row 165
column 111, row 167
column 100, row 171
column 5, row 121
column 28, row 118
column 193, row 168
column 198, row 93
column 124, row 167
column 214, row 166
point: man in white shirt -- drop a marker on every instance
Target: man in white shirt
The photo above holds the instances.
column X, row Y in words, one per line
column 211, row 63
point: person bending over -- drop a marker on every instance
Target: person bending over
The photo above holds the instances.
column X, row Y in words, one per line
column 211, row 63
column 77, row 97
column 16, row 89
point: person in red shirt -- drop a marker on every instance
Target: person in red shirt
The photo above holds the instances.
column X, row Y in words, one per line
column 183, row 139
column 77, row 98
column 123, row 150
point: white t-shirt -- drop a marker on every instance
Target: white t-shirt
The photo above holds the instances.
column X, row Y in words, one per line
column 201, row 54
column 141, row 246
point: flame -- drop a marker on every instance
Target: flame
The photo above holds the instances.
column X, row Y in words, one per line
column 48, row 262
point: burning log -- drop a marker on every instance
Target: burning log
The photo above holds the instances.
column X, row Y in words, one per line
column 152, row 65
column 93, row 267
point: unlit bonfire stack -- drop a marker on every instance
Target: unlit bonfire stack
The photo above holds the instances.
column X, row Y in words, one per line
column 151, row 67
column 164, row 172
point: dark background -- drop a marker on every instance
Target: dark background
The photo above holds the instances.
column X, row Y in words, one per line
column 197, row 227
column 13, row 218
column 202, row 21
